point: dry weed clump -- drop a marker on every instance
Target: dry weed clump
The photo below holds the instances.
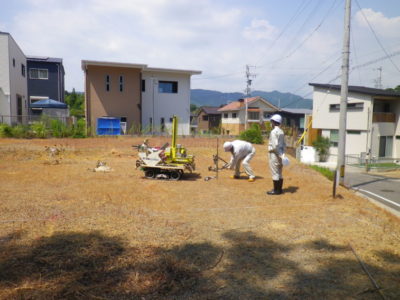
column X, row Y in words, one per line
column 69, row 233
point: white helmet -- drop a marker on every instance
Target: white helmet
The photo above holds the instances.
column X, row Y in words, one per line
column 227, row 146
column 277, row 118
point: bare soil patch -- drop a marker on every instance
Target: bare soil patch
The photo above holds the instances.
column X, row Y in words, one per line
column 68, row 232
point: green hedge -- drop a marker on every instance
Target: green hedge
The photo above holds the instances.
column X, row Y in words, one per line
column 45, row 128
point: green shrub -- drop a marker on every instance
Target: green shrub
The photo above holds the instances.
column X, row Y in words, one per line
column 59, row 129
column 39, row 130
column 79, row 129
column 21, row 131
column 5, row 130
column 322, row 145
column 252, row 135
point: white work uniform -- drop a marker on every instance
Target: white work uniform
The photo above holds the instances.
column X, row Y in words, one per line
column 242, row 152
column 276, row 148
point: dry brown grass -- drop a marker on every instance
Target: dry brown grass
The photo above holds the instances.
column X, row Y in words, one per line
column 67, row 232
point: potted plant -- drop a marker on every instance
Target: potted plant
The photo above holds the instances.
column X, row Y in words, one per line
column 321, row 145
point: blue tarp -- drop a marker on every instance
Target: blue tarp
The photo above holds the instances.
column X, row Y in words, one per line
column 108, row 126
column 48, row 103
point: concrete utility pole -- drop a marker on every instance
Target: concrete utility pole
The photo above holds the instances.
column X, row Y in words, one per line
column 378, row 81
column 248, row 90
column 344, row 90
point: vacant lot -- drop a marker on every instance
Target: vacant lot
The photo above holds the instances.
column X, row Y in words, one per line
column 69, row 232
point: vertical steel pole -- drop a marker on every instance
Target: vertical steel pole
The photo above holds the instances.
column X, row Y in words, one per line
column 343, row 95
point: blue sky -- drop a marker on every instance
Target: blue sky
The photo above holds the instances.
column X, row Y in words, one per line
column 290, row 43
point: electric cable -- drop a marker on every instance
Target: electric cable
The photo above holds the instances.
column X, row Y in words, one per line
column 376, row 36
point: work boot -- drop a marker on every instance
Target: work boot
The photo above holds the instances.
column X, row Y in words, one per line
column 280, row 185
column 235, row 176
column 276, row 190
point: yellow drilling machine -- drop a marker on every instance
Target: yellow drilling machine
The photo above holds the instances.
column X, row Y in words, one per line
column 165, row 162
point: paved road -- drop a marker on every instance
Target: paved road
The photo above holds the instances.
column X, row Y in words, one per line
column 385, row 190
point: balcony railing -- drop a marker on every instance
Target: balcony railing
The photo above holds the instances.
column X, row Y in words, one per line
column 382, row 117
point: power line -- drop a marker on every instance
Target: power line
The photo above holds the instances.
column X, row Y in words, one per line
column 307, row 38
column 376, row 36
column 291, row 20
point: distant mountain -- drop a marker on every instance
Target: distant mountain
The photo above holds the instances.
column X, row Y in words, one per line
column 201, row 97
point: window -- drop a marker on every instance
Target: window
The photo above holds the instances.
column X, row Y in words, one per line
column 205, row 118
column 254, row 115
column 143, row 85
column 38, row 73
column 350, row 106
column 266, row 115
column 170, row 87
column 14, row 62
column 334, row 137
column 385, row 146
column 23, row 70
column 353, row 131
column 234, row 115
column 225, row 116
column 162, row 124
column 107, row 83
column 121, row 83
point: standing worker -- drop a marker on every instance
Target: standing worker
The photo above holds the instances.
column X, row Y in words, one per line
column 276, row 149
column 242, row 152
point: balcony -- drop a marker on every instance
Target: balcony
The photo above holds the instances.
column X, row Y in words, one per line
column 382, row 117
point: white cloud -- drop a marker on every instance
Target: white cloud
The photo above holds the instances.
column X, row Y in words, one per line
column 385, row 27
column 259, row 30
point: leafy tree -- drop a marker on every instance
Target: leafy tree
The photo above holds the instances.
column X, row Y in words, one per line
column 396, row 89
column 322, row 145
column 193, row 108
column 75, row 102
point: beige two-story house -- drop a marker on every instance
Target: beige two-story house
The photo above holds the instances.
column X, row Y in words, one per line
column 143, row 98
column 233, row 115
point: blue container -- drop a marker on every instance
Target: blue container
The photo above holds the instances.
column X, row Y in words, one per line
column 108, row 126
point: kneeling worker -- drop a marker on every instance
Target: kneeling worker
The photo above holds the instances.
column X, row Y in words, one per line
column 242, row 152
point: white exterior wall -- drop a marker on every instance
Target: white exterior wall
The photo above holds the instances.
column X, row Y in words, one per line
column 238, row 120
column 18, row 83
column 396, row 140
column 324, row 119
column 4, row 76
column 355, row 144
column 166, row 104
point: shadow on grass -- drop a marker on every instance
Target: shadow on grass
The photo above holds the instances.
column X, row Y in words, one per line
column 95, row 266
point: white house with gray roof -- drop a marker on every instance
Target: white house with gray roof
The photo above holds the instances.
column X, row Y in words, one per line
column 373, row 123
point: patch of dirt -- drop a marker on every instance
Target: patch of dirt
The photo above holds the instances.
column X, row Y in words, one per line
column 69, row 233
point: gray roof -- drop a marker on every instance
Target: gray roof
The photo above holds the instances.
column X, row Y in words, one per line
column 359, row 89
column 211, row 110
column 301, row 111
column 44, row 59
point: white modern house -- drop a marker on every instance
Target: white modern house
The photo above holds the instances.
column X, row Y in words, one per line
column 373, row 120
column 233, row 117
column 166, row 92
column 13, row 81
column 140, row 96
